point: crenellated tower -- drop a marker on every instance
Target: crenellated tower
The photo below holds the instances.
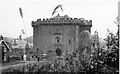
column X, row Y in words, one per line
column 58, row 33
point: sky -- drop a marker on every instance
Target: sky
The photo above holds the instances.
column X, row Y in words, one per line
column 103, row 13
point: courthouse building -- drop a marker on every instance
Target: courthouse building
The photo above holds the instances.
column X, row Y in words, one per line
column 58, row 33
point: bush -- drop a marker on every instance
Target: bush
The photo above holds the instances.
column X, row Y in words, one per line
column 99, row 60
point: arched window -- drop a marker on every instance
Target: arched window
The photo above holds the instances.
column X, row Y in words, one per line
column 57, row 39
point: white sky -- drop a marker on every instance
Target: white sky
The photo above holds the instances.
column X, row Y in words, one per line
column 101, row 12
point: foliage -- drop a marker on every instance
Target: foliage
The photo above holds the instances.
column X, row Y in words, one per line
column 112, row 56
column 98, row 59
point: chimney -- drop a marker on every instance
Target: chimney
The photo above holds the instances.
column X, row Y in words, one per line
column 20, row 37
column 1, row 37
column 14, row 41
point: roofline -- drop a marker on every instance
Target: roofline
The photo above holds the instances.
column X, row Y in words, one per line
column 6, row 45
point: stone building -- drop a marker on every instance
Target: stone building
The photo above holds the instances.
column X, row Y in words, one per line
column 4, row 51
column 58, row 33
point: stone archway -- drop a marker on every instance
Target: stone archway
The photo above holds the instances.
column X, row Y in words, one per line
column 58, row 51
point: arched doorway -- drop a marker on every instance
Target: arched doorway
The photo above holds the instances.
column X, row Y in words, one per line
column 58, row 52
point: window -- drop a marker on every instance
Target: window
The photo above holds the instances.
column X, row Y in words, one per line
column 57, row 39
column 37, row 49
column 69, row 42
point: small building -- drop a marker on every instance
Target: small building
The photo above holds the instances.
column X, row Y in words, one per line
column 4, row 51
column 20, row 43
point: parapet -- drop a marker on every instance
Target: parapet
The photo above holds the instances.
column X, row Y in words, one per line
column 62, row 20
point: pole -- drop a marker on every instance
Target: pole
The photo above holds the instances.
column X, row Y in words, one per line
column 119, row 25
column 26, row 39
column 24, row 51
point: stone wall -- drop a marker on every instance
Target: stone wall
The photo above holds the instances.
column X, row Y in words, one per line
column 45, row 40
column 69, row 38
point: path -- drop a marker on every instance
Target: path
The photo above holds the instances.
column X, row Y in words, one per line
column 17, row 65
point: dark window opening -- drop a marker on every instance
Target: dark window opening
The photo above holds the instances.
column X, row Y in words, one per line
column 37, row 49
column 69, row 41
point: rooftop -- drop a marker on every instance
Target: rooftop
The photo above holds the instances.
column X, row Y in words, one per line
column 2, row 41
column 62, row 20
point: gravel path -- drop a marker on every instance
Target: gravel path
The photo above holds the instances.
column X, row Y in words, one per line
column 17, row 65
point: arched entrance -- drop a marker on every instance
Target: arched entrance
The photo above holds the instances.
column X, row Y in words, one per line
column 58, row 51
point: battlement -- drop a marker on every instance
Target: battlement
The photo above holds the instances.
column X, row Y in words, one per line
column 63, row 19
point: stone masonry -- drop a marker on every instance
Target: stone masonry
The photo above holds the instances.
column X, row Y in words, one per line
column 59, row 32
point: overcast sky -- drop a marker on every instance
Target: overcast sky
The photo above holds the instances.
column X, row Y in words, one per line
column 101, row 12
